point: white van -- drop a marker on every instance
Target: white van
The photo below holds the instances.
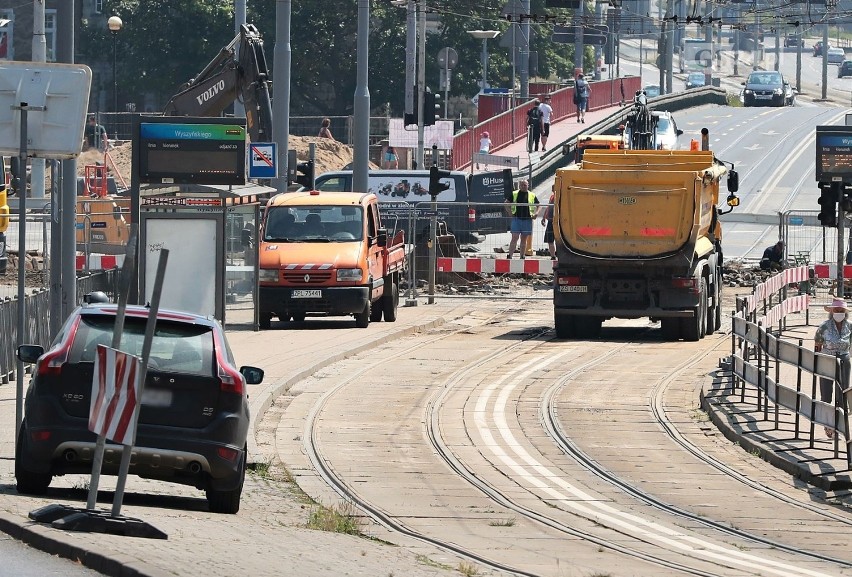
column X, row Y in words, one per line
column 400, row 191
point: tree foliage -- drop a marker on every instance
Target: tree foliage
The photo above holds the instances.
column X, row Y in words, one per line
column 164, row 43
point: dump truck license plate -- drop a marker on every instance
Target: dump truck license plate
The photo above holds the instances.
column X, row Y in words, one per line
column 573, row 289
column 307, row 294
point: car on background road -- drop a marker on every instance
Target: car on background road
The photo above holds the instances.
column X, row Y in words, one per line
column 818, row 48
column 835, row 55
column 695, row 80
column 194, row 416
column 792, row 40
column 766, row 88
column 845, row 69
column 652, row 90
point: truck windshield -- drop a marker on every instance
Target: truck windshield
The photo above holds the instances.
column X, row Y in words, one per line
column 320, row 223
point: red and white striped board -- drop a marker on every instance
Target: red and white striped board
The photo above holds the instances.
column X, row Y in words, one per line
column 115, row 388
column 100, row 261
column 495, row 265
column 829, row 270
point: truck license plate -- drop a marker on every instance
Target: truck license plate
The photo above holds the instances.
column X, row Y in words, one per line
column 307, row 294
column 573, row 289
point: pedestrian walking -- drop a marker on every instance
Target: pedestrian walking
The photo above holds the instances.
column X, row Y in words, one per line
column 833, row 337
column 95, row 134
column 484, row 145
column 582, row 91
column 534, row 126
column 390, row 158
column 325, row 131
column 546, row 113
column 523, row 206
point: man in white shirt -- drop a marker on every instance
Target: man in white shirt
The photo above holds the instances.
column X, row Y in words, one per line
column 546, row 112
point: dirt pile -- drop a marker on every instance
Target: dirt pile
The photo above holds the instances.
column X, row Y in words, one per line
column 330, row 155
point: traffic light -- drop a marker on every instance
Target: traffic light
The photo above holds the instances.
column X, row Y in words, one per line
column 828, row 196
column 300, row 172
column 305, row 174
column 436, row 187
column 430, row 107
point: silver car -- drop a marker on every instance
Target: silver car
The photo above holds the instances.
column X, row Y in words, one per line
column 666, row 132
column 835, row 55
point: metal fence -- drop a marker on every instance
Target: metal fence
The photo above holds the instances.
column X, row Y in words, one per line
column 37, row 329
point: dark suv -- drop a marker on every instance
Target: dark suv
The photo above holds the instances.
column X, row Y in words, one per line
column 194, row 416
column 845, row 69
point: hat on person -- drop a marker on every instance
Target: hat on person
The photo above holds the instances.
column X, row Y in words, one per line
column 485, row 134
column 837, row 304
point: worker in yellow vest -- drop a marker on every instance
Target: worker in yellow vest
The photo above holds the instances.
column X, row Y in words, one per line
column 523, row 207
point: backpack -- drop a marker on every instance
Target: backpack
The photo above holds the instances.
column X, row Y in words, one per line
column 582, row 89
column 534, row 116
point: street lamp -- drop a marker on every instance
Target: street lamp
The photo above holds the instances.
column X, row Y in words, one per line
column 484, row 35
column 114, row 24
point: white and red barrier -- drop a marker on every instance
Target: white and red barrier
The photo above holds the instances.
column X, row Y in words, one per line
column 115, row 388
column 829, row 270
column 495, row 265
column 100, row 261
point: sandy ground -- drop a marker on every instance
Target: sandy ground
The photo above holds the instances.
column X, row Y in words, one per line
column 330, row 155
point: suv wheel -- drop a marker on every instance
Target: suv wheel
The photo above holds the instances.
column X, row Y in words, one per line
column 27, row 482
column 227, row 502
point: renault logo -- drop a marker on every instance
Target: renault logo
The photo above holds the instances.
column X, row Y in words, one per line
column 307, row 278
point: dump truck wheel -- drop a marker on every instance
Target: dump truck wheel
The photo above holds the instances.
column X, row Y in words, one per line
column 671, row 328
column 589, row 327
column 694, row 327
column 375, row 314
column 564, row 327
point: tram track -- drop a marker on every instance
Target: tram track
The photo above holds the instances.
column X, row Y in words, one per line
column 535, row 346
column 551, row 421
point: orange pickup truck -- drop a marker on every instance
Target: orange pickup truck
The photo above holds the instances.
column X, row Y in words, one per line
column 327, row 253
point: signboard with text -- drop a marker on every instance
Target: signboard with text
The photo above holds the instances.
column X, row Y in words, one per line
column 833, row 153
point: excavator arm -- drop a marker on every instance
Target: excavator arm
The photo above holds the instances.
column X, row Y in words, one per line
column 227, row 78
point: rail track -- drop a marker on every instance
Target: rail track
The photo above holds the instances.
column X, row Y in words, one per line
column 482, row 453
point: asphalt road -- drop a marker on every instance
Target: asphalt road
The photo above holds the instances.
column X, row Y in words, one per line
column 20, row 560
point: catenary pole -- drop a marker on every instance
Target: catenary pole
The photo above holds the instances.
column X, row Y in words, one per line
column 39, row 55
column 361, row 159
column 281, row 85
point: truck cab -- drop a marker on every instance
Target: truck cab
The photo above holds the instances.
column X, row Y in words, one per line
column 327, row 253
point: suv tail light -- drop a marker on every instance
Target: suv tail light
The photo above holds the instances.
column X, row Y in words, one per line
column 52, row 361
column 231, row 381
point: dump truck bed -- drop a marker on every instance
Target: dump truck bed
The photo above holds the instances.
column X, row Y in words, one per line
column 635, row 204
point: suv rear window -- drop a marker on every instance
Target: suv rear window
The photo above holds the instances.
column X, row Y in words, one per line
column 177, row 347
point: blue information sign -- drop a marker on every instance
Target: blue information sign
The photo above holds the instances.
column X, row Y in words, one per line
column 262, row 160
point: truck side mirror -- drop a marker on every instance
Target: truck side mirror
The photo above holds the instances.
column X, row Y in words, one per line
column 733, row 181
column 382, row 237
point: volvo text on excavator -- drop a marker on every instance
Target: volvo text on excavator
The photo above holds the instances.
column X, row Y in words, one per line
column 239, row 72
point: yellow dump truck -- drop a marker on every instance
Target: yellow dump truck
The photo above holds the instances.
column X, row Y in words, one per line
column 638, row 235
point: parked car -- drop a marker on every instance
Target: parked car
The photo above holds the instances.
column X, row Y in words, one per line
column 835, row 55
column 818, row 48
column 765, row 88
column 194, row 416
column 652, row 90
column 845, row 69
column 695, row 80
